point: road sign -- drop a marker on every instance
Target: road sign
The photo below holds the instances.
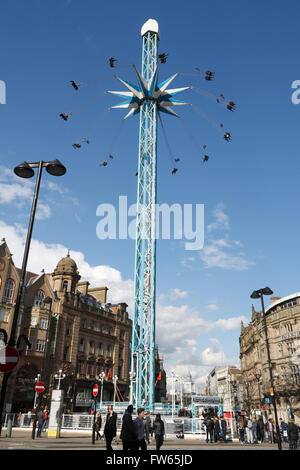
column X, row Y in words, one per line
column 267, row 400
column 39, row 387
column 95, row 390
column 9, row 358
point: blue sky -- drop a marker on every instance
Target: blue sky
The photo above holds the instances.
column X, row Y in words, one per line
column 249, row 186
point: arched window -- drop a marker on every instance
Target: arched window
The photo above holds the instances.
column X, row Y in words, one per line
column 8, row 291
column 39, row 299
column 65, row 285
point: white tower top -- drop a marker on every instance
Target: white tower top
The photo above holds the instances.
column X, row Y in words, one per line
column 150, row 25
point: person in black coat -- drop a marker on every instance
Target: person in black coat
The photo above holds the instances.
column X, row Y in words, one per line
column 209, row 424
column 110, row 428
column 159, row 431
column 293, row 436
column 128, row 433
column 224, row 428
column 98, row 424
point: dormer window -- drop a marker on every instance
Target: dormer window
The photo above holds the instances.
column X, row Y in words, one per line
column 39, row 299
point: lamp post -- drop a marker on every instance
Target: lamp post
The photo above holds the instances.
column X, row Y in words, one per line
column 37, row 379
column 259, row 294
column 25, row 170
column 47, row 300
column 60, row 376
column 115, row 380
column 259, row 380
column 101, row 378
column 132, row 377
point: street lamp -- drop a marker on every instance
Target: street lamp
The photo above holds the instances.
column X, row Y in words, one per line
column 256, row 295
column 132, row 377
column 47, row 300
column 25, row 170
column 101, row 378
column 60, row 376
column 115, row 379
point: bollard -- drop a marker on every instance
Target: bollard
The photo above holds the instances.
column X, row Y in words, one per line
column 9, row 427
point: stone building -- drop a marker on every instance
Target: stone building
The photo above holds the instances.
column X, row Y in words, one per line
column 226, row 383
column 283, row 326
column 70, row 327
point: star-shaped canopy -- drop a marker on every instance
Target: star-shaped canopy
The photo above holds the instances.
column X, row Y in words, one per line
column 150, row 90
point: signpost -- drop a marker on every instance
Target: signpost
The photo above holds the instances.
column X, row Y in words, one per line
column 95, row 393
column 9, row 358
column 39, row 387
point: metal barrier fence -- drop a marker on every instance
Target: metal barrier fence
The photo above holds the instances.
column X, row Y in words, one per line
column 77, row 422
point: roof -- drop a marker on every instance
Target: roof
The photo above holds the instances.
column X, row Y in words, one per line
column 29, row 276
column 282, row 300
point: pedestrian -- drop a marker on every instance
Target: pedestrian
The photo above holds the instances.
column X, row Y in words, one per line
column 98, row 424
column 46, row 419
column 283, row 429
column 40, row 418
column 19, row 418
column 254, row 430
column 260, row 430
column 128, row 431
column 110, row 427
column 270, row 429
column 248, row 427
column 217, row 429
column 159, row 431
column 149, row 424
column 209, row 424
column 241, row 429
column 141, row 430
column 224, row 429
column 293, row 434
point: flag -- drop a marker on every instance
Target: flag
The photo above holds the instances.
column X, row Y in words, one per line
column 158, row 378
column 108, row 375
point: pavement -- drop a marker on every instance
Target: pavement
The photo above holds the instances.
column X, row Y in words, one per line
column 21, row 440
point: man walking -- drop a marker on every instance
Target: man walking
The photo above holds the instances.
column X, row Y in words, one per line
column 260, row 428
column 292, row 430
column 209, row 424
column 141, row 430
column 283, row 429
column 224, row 428
column 128, row 431
column 40, row 418
column 110, row 428
column 159, row 431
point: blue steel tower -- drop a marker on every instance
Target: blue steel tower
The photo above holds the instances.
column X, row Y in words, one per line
column 147, row 98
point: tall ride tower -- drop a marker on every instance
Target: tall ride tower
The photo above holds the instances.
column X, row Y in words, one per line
column 148, row 99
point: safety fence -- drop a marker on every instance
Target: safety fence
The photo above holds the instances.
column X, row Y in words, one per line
column 79, row 422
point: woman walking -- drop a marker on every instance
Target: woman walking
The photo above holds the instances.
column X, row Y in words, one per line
column 241, row 430
column 159, row 431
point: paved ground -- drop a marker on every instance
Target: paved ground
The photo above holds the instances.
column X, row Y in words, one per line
column 21, row 439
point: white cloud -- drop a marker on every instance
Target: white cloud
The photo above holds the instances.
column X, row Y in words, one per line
column 221, row 219
column 175, row 294
column 217, row 254
column 43, row 211
column 212, row 306
column 46, row 256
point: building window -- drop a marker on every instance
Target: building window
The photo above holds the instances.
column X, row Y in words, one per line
column 90, row 368
column 121, row 353
column 8, row 291
column 39, row 299
column 80, row 367
column 109, row 331
column 65, row 285
column 120, row 372
column 40, row 345
column 109, row 350
column 66, row 353
column 4, row 315
column 92, row 325
column 81, row 345
column 91, row 348
column 122, row 334
column 83, row 323
column 43, row 323
column 69, row 329
column 33, row 322
column 100, row 349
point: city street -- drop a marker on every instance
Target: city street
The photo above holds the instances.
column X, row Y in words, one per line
column 21, row 440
